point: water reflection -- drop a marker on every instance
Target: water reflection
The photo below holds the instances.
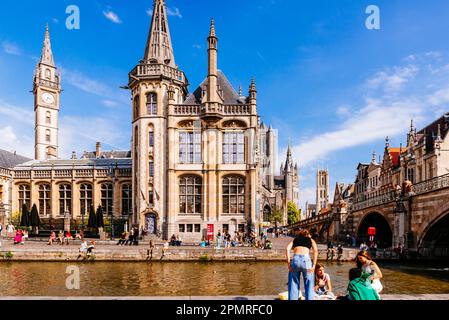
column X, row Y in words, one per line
column 199, row 279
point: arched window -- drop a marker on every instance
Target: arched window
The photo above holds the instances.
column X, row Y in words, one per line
column 44, row 199
column 152, row 103
column 24, row 196
column 85, row 198
column 47, row 135
column 234, row 195
column 151, row 137
column 107, row 199
column 126, row 199
column 47, row 74
column 136, row 107
column 190, row 195
column 65, row 199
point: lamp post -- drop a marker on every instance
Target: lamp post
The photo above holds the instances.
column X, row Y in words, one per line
column 112, row 174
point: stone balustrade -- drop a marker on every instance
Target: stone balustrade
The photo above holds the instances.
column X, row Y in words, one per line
column 187, row 110
column 145, row 70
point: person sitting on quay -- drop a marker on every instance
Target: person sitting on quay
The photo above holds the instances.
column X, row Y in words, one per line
column 359, row 288
column 122, row 239
column 90, row 249
column 83, row 249
column 52, row 238
column 178, row 241
column 268, row 245
column 25, row 236
column 173, row 240
column 18, row 237
column 67, row 237
column 323, row 284
column 60, row 239
column 130, row 239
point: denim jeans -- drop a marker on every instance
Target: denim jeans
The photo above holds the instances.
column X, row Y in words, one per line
column 300, row 264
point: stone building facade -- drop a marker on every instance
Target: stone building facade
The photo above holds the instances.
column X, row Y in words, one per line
column 198, row 161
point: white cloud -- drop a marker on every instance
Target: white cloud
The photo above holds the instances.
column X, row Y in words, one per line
column 112, row 16
column 174, row 12
column 83, row 82
column 393, row 80
column 55, row 20
column 343, row 111
column 11, row 48
column 422, row 97
column 110, row 103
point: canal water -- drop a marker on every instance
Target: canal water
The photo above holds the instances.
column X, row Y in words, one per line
column 200, row 278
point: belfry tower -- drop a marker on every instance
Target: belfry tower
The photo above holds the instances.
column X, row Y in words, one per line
column 46, row 89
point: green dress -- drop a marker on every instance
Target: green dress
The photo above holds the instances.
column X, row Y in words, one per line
column 360, row 289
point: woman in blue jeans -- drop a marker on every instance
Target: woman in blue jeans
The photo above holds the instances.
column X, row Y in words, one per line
column 301, row 264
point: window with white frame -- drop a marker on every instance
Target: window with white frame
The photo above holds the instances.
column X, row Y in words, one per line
column 233, row 147
column 190, row 147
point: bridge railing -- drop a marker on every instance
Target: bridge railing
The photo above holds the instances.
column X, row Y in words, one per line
column 315, row 220
column 426, row 186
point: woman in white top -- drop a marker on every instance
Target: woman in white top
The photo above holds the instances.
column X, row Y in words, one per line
column 367, row 265
column 323, row 284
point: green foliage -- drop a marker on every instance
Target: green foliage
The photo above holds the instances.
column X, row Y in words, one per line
column 15, row 218
column 276, row 216
column 9, row 255
column 293, row 213
column 204, row 258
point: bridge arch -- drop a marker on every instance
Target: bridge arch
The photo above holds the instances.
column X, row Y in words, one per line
column 384, row 232
column 434, row 241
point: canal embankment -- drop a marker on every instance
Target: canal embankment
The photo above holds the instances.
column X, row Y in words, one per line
column 108, row 251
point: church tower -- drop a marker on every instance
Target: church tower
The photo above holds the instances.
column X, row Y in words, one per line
column 322, row 190
column 46, row 91
column 154, row 83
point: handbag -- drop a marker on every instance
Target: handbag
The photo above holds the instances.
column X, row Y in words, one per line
column 377, row 285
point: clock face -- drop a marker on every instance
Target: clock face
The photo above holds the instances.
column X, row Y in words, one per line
column 48, row 98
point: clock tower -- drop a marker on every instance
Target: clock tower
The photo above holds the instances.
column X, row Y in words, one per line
column 46, row 91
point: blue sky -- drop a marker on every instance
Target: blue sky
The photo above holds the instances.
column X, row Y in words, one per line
column 332, row 87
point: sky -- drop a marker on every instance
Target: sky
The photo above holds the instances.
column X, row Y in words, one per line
column 332, row 87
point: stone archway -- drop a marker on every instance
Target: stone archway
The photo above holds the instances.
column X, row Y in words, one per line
column 435, row 239
column 266, row 213
column 384, row 233
column 151, row 223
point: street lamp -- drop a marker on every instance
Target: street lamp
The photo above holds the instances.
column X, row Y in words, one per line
column 112, row 174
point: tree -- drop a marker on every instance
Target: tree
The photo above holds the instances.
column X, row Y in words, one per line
column 293, row 214
column 100, row 219
column 276, row 217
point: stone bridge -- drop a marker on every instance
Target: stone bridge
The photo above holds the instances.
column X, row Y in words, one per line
column 419, row 220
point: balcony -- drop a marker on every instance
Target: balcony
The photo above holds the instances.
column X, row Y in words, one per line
column 156, row 70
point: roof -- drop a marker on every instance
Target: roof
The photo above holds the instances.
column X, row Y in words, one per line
column 78, row 163
column 230, row 96
column 107, row 155
column 9, row 160
column 431, row 131
column 394, row 153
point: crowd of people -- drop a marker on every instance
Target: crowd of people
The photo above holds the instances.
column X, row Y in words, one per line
column 364, row 279
column 130, row 238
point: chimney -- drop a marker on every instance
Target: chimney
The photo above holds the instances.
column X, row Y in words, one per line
column 98, row 150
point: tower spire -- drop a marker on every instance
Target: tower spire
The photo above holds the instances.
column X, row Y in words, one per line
column 212, row 78
column 159, row 47
column 47, row 54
